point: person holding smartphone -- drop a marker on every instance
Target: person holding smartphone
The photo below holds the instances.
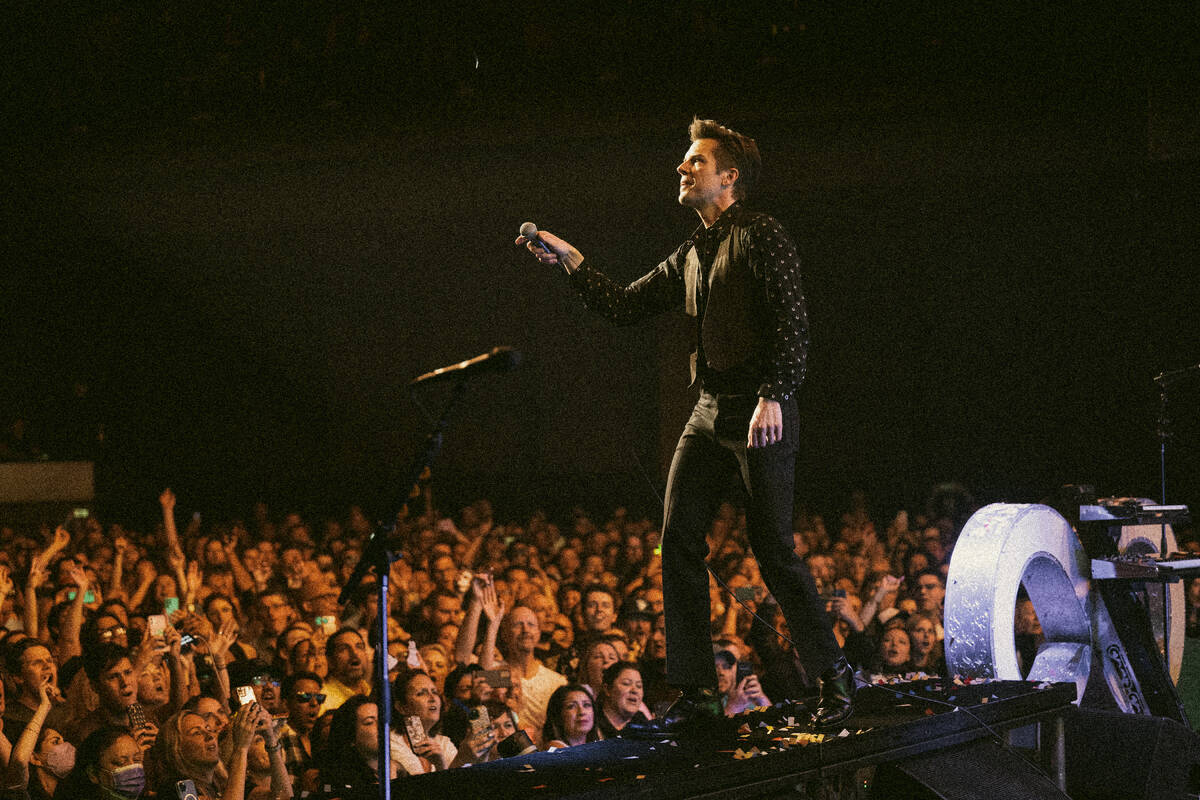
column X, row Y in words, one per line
column 737, row 683
column 187, row 751
column 417, row 744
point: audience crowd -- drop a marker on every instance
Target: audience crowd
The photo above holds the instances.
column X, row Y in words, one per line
column 219, row 659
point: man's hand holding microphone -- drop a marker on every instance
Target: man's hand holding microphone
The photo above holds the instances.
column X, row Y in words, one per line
column 548, row 248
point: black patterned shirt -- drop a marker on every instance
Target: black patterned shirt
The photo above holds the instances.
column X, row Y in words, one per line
column 777, row 369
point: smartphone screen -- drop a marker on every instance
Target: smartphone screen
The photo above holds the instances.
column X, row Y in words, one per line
column 170, row 605
column 156, row 625
column 245, row 695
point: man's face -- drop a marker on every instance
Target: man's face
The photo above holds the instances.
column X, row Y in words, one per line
column 277, row 613
column 701, row 183
column 543, row 607
column 37, row 667
column 726, row 673
column 446, row 610
column 349, row 658
column 598, row 612
column 117, row 687
column 523, row 632
column 929, row 593
column 444, row 573
column 303, row 705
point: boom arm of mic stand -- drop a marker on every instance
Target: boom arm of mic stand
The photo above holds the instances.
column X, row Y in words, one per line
column 377, row 556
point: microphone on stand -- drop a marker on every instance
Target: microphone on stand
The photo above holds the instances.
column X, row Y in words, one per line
column 1163, row 379
column 498, row 359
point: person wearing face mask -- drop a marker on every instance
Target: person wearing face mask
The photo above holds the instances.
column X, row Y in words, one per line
column 108, row 766
column 52, row 759
column 44, row 747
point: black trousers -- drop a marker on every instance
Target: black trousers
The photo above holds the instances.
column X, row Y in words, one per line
column 711, row 451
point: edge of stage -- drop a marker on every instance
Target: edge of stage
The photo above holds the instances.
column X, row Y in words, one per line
column 773, row 752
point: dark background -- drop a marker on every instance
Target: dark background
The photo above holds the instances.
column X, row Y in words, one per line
column 248, row 229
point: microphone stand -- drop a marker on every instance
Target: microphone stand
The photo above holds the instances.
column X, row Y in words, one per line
column 378, row 555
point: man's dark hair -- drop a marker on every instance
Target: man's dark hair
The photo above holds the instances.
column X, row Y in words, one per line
column 602, row 589
column 930, row 571
column 289, row 683
column 14, row 652
column 734, row 151
column 98, row 659
column 431, row 600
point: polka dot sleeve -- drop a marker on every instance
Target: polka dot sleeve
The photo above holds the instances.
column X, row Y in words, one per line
column 661, row 289
column 774, row 260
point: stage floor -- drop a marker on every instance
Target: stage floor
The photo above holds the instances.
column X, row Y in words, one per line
column 765, row 752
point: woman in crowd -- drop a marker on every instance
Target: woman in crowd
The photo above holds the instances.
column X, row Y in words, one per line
column 108, row 765
column 894, row 654
column 622, row 698
column 187, row 750
column 599, row 656
column 220, row 611
column 42, row 748
column 926, row 652
column 416, row 696
column 350, row 763
column 570, row 717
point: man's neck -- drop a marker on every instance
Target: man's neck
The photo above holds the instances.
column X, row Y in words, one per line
column 527, row 662
column 712, row 212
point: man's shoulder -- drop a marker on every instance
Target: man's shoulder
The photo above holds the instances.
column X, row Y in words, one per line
column 758, row 222
column 546, row 675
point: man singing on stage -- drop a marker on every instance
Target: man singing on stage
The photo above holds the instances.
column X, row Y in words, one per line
column 738, row 275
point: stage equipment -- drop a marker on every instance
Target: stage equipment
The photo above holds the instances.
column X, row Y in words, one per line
column 498, row 359
column 380, row 552
column 1117, row 638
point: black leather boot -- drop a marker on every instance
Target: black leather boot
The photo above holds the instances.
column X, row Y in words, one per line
column 837, row 694
column 697, row 712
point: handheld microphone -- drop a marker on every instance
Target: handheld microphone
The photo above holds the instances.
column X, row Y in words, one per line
column 530, row 232
column 498, row 359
